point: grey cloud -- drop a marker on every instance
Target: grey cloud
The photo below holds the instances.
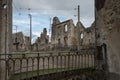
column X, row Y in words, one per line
column 58, row 7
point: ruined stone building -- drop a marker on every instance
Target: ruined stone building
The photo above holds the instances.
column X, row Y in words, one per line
column 65, row 35
column 20, row 42
column 42, row 42
column 88, row 37
column 62, row 34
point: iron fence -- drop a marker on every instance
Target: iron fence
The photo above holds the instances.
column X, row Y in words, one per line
column 28, row 65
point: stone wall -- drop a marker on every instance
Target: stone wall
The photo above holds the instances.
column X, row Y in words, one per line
column 88, row 38
column 108, row 30
column 41, row 42
column 5, row 25
column 62, row 33
column 5, row 32
column 20, row 42
column 66, row 34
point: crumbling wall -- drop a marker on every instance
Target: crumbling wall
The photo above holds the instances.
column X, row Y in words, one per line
column 88, row 40
column 63, row 33
column 42, row 42
column 79, row 31
column 108, row 30
column 20, row 42
column 66, row 34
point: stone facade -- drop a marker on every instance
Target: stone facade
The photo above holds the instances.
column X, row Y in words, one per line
column 42, row 42
column 20, row 42
column 88, row 40
column 108, row 38
column 66, row 36
column 63, row 34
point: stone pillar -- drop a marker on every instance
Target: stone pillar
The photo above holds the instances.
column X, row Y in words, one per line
column 5, row 33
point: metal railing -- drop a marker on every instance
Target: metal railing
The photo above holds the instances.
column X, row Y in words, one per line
column 27, row 65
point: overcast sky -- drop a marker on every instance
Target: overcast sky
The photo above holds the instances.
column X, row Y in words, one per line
column 43, row 10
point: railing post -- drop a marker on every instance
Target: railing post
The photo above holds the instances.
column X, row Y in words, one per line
column 20, row 67
column 13, row 67
column 43, row 64
column 82, row 64
column 32, row 67
column 75, row 61
column 27, row 68
column 61, row 62
column 85, row 55
column 57, row 62
column 68, row 60
column 53, row 62
column 48, row 63
column 79, row 60
column 9, row 73
column 64, row 62
column 88, row 59
column 72, row 60
column 38, row 56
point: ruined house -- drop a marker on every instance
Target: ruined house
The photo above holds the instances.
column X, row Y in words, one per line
column 62, row 34
column 20, row 42
column 66, row 36
column 41, row 42
column 88, row 38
